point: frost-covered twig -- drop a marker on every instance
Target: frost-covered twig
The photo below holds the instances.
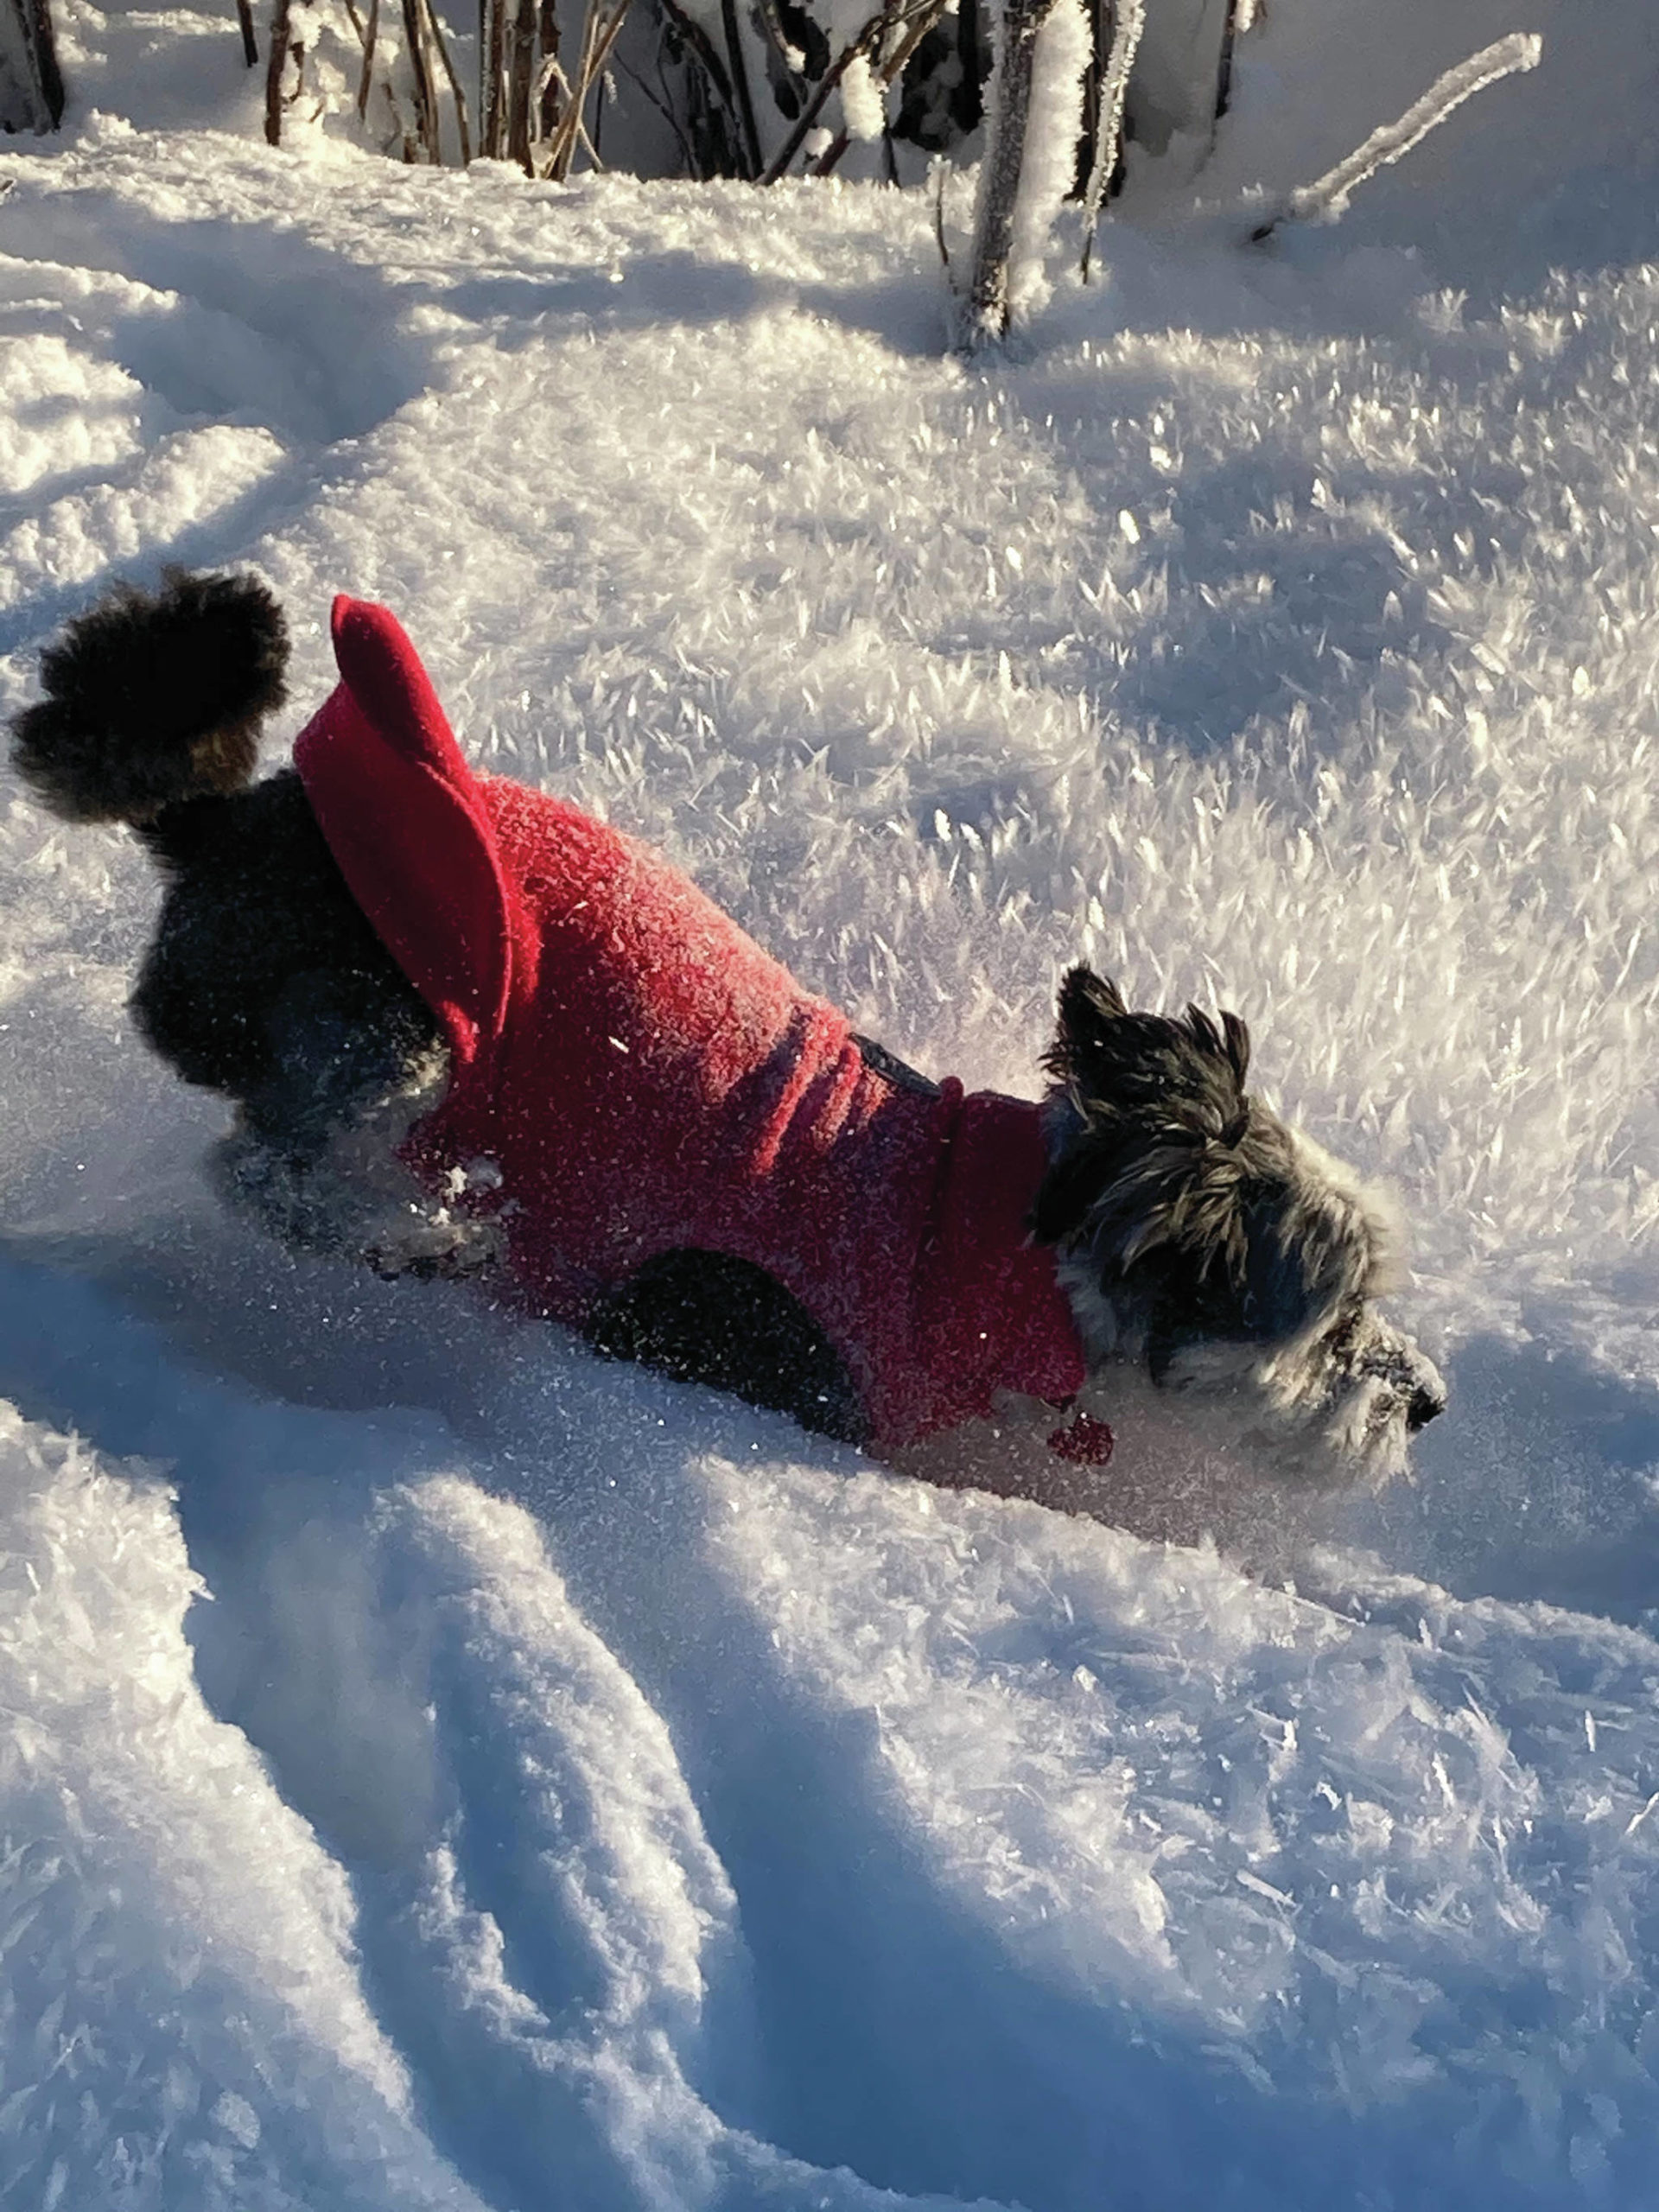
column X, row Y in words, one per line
column 886, row 66
column 940, row 167
column 1035, row 105
column 599, row 34
column 1129, row 23
column 1327, row 198
column 809, row 115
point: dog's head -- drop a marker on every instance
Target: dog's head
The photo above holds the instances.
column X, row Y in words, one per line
column 1219, row 1252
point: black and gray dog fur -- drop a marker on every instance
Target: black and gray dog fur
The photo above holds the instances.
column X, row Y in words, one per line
column 1219, row 1264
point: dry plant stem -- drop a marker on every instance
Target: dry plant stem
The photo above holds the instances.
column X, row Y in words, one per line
column 402, row 136
column 521, row 70
column 250, row 45
column 713, row 67
column 741, row 80
column 552, row 99
column 938, row 225
column 547, row 105
column 601, row 58
column 492, row 62
column 372, row 32
column 908, row 19
column 560, row 150
column 274, row 61
column 426, row 114
column 661, row 103
column 599, row 35
column 460, row 97
column 921, row 21
column 42, row 42
column 561, row 146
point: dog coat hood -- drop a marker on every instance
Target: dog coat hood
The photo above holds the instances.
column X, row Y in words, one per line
column 644, row 1079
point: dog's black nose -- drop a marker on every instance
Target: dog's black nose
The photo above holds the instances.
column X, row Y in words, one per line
column 1423, row 1407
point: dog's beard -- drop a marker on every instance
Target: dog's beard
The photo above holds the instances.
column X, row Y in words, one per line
column 1234, row 1436
column 1331, row 1409
column 349, row 1194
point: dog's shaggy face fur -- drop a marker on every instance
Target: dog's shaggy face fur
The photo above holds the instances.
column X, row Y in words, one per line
column 1222, row 1269
column 1219, row 1253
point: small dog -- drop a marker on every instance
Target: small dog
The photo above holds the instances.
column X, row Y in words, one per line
column 469, row 1030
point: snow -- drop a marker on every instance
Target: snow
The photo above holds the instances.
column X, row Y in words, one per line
column 439, row 1770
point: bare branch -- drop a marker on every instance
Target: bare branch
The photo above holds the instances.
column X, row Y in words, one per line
column 740, row 83
column 275, row 61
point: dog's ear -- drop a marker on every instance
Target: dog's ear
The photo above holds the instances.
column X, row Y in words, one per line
column 1088, row 1013
column 152, row 698
column 1115, row 1064
column 1188, row 1198
column 1197, row 1212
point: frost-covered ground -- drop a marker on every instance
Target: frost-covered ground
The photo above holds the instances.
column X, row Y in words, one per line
column 438, row 1770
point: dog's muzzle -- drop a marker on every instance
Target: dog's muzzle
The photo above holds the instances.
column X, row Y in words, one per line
column 1411, row 1381
column 1425, row 1403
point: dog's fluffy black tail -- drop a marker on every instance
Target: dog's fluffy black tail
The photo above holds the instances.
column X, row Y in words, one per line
column 151, row 698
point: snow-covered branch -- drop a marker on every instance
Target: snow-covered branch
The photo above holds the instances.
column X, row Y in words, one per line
column 1327, row 197
column 1130, row 21
column 1034, row 108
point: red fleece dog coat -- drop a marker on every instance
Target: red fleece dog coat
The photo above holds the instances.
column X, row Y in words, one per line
column 646, row 1080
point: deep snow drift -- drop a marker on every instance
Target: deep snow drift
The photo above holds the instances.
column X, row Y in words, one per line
column 439, row 1770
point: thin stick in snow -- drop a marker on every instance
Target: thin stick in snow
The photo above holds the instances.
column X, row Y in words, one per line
column 456, row 94
column 740, row 77
column 276, row 63
column 370, row 35
column 420, row 71
column 1130, row 21
column 1327, row 198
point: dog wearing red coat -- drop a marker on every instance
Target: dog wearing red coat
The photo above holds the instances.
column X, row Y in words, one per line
column 470, row 1029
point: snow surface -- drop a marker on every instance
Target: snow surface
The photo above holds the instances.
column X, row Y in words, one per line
column 439, row 1770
